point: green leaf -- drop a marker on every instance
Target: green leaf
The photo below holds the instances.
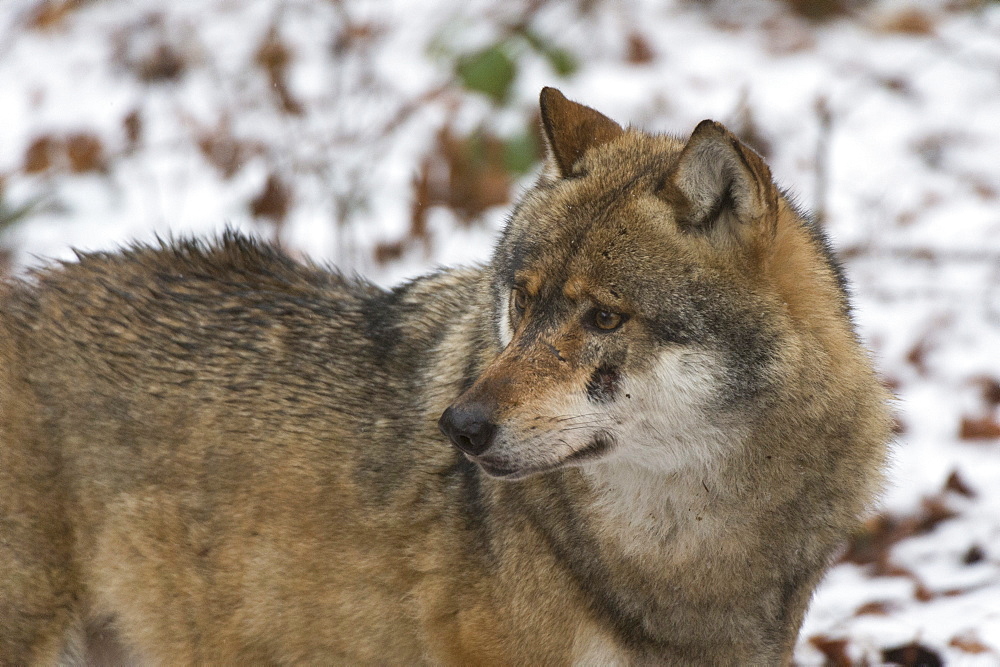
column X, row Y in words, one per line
column 521, row 153
column 490, row 71
column 562, row 61
column 9, row 215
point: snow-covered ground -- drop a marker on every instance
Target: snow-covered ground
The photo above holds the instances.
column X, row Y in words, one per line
column 323, row 122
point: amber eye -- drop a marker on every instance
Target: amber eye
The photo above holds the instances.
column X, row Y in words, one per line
column 607, row 320
column 520, row 300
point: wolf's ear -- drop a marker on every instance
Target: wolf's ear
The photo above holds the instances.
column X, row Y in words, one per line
column 722, row 187
column 570, row 129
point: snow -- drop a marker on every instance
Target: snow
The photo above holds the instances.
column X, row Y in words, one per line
column 910, row 196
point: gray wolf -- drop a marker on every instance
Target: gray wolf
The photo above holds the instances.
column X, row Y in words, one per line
column 636, row 436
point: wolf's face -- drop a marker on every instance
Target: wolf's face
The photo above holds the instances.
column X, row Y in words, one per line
column 630, row 307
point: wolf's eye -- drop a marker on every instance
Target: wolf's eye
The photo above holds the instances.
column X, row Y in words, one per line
column 519, row 299
column 605, row 320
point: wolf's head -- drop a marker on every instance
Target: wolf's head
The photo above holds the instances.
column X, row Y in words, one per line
column 645, row 290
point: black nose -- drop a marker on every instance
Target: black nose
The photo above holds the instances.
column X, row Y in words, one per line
column 469, row 427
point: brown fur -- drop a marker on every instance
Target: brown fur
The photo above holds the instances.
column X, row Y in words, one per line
column 215, row 455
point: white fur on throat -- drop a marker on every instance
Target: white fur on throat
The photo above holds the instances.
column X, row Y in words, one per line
column 662, row 471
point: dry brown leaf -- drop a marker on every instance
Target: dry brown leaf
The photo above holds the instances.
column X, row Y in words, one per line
column 918, row 353
column 979, row 428
column 132, row 125
column 50, row 14
column 639, row 52
column 388, row 252
column 833, row 650
column 42, row 153
column 273, row 201
column 274, row 57
column 958, row 485
column 910, row 21
column 224, row 150
column 354, row 34
column 912, row 655
column 476, row 176
column 969, row 642
column 878, row 608
column 974, row 555
column 990, row 390
column 163, row 63
column 818, row 10
column 873, row 543
column 85, row 152
column 923, row 594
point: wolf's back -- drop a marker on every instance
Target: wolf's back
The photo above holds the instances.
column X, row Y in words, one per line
column 196, row 409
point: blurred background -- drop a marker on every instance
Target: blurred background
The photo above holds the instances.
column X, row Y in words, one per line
column 390, row 136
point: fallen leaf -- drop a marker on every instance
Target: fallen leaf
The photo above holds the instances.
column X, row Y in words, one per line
column 934, row 511
column 909, row 21
column 41, row 154
column 872, row 544
column 957, row 484
column 85, row 152
column 833, row 650
column 273, row 201
column 639, row 52
column 974, row 555
column 474, row 170
column 984, row 428
column 51, row 13
column 878, row 608
column 224, row 150
column 275, row 57
column 818, row 10
column 132, row 125
column 969, row 642
column 922, row 593
column 912, row 655
column 917, row 355
column 354, row 34
column 991, row 390
column 163, row 63
column 388, row 252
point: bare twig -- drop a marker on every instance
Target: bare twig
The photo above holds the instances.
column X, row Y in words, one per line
column 822, row 159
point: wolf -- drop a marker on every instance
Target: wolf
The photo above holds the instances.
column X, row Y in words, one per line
column 638, row 435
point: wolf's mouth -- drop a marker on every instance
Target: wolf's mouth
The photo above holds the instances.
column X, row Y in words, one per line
column 502, row 471
column 595, row 449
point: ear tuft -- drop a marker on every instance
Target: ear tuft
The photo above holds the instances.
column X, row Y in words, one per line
column 571, row 129
column 725, row 186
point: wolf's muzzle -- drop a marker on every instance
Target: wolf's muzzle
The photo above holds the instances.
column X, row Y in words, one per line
column 469, row 427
